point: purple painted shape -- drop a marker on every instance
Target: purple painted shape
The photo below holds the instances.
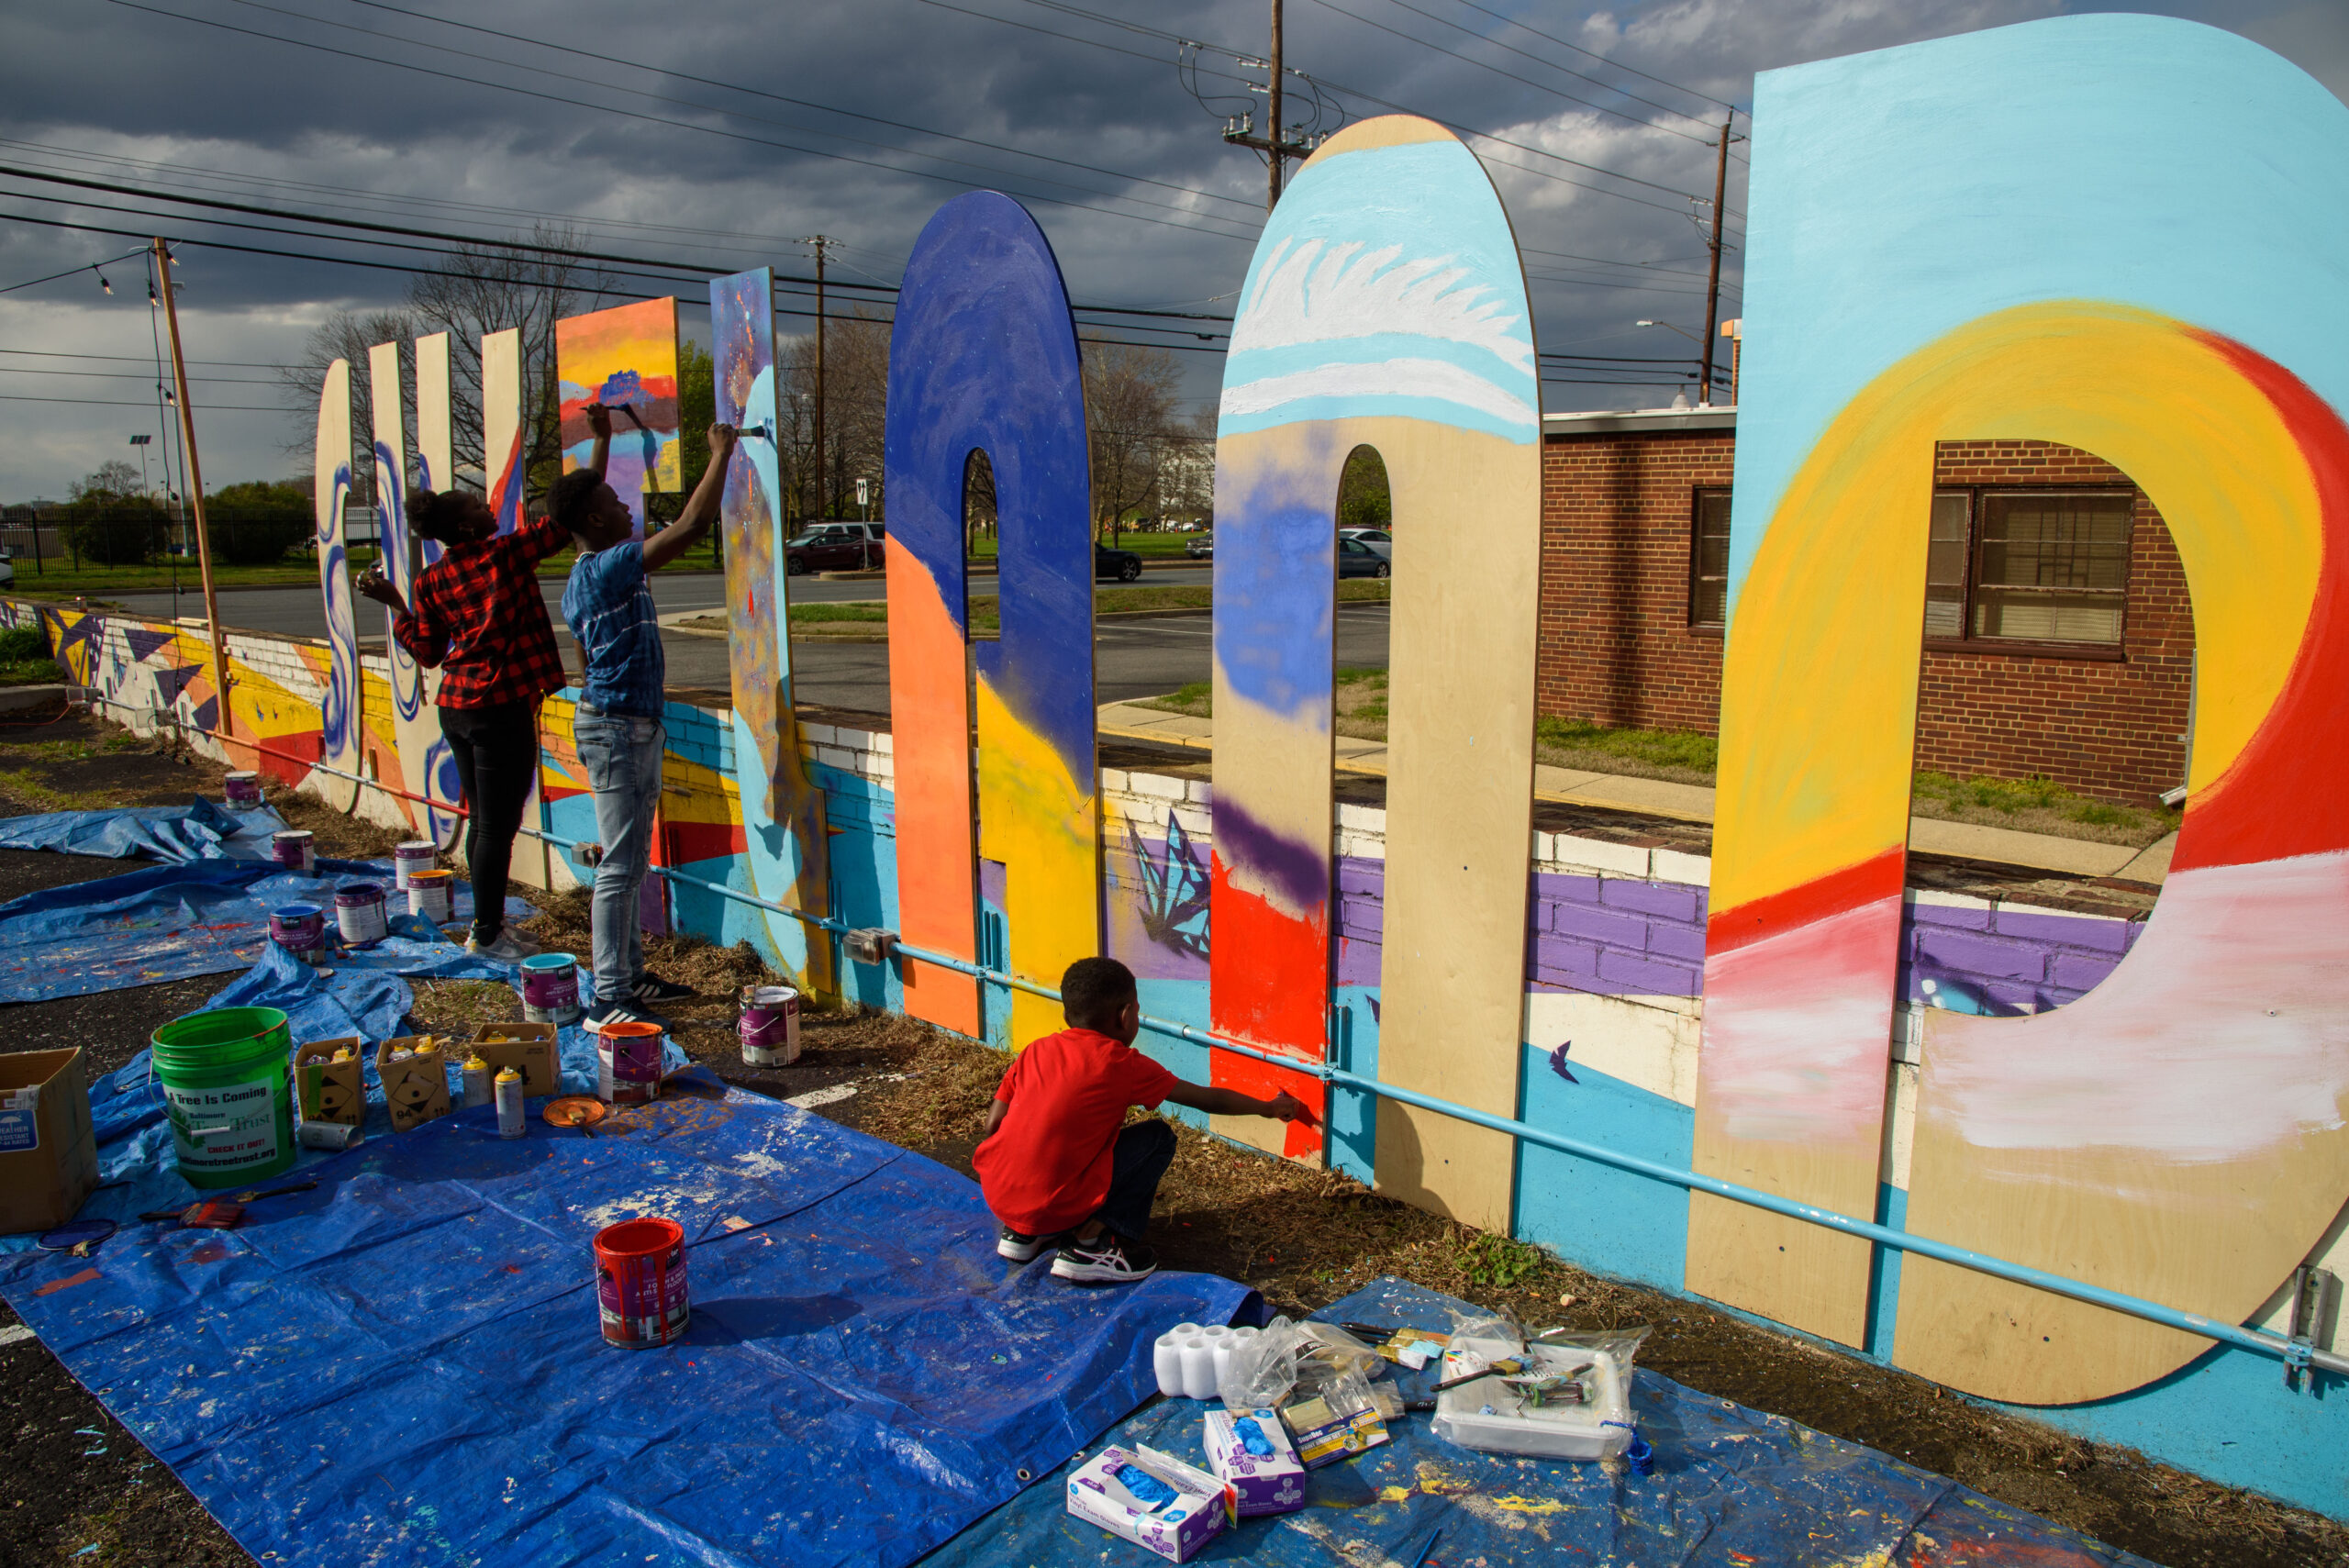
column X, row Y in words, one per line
column 1665, row 900
column 1685, row 942
column 1963, row 917
column 143, row 642
column 1357, row 960
column 1598, row 924
column 1558, row 887
column 1361, row 917
column 1299, row 873
column 2081, row 970
column 1565, row 959
column 995, row 884
column 1649, row 976
column 1359, row 874
column 1985, row 956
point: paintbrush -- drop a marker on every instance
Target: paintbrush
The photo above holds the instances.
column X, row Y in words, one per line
column 223, row 1214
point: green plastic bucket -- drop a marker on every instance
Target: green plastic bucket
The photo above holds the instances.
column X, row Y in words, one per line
column 227, row 1084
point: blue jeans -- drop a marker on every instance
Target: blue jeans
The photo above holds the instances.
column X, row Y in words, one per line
column 622, row 756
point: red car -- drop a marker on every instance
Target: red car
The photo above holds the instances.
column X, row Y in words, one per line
column 835, row 547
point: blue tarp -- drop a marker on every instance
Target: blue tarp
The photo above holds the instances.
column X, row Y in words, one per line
column 169, row 922
column 199, row 830
column 405, row 1365
column 1732, row 1488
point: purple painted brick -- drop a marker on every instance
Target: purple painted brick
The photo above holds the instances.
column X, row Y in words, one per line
column 1664, row 900
column 2135, row 929
column 1981, row 955
column 2067, row 930
column 1361, row 917
column 1563, row 955
column 1358, row 874
column 1649, row 976
column 2080, row 971
column 1605, row 926
column 1556, row 887
column 1946, row 915
column 1357, row 961
column 1684, row 942
column 2014, row 998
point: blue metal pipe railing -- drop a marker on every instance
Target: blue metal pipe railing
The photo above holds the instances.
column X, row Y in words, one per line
column 2296, row 1353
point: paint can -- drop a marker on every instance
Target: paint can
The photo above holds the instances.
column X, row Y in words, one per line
column 509, row 1104
column 415, row 855
column 301, row 931
column 328, row 1135
column 227, row 1082
column 550, row 988
column 433, row 895
column 241, row 789
column 770, row 1026
column 359, row 912
column 640, row 1283
column 627, row 1062
column 291, row 851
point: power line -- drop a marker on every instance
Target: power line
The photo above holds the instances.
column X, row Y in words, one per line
column 659, row 120
column 127, row 376
column 111, row 403
column 803, row 102
column 1487, row 65
column 71, row 272
column 1594, row 54
column 141, row 358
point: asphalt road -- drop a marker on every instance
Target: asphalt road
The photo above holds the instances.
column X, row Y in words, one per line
column 1134, row 658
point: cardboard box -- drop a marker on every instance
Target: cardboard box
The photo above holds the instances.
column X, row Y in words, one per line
column 1260, row 1484
column 49, row 1153
column 417, row 1090
column 528, row 1049
column 329, row 1090
column 1173, row 1529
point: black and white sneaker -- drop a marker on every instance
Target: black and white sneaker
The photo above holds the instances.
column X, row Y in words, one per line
column 1020, row 1247
column 620, row 1012
column 650, row 990
column 1109, row 1259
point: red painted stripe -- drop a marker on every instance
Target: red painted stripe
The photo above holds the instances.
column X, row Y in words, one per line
column 1852, row 887
column 2283, row 797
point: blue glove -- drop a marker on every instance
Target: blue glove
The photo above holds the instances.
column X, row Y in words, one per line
column 1252, row 1437
column 1146, row 1489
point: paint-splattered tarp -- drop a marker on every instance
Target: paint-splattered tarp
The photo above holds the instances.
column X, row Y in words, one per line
column 404, row 1366
column 199, row 830
column 1732, row 1488
column 166, row 922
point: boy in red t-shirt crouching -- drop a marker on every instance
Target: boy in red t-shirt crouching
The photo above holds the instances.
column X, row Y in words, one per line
column 1058, row 1163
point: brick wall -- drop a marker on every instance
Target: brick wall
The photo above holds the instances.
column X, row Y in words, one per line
column 1617, row 647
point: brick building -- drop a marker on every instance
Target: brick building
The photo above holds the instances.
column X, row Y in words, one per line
column 2057, row 639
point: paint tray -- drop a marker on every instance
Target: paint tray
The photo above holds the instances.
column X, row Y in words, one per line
column 528, row 1049
column 417, row 1090
column 331, row 1090
column 1491, row 1415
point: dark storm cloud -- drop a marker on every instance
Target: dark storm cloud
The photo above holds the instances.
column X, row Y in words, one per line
column 357, row 131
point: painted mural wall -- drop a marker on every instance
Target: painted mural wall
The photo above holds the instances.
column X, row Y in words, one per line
column 2093, row 1096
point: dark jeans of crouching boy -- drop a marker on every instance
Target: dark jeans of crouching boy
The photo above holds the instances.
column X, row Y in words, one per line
column 1145, row 1151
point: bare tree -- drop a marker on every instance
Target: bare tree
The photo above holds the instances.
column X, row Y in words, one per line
column 1130, row 401
column 483, row 289
column 856, row 391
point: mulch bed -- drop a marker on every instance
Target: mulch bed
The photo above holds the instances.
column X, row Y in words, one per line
column 1303, row 1237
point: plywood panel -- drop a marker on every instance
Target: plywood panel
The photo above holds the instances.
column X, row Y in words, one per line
column 436, row 451
column 982, row 356
column 626, row 359
column 427, row 771
column 783, row 813
column 504, row 476
column 338, row 710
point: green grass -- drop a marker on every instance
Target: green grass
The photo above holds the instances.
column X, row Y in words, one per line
column 1671, row 749
column 1149, row 547
column 817, row 614
column 2030, row 803
column 29, row 672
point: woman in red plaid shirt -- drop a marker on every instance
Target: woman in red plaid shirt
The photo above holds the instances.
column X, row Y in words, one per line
column 479, row 619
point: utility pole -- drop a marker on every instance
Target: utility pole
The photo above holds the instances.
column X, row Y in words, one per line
column 195, row 494
column 1277, row 151
column 1713, row 283
column 819, row 377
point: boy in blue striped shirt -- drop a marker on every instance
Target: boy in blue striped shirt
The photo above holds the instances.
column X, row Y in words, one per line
column 618, row 728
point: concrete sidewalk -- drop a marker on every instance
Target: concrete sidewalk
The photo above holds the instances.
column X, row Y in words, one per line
column 1694, row 802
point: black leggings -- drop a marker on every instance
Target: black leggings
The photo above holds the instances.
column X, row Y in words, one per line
column 496, row 752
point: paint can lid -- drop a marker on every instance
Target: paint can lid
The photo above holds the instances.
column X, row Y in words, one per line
column 575, row 1110
column 291, row 835
column 297, row 911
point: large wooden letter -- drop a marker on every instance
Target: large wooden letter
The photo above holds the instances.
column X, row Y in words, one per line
column 2180, row 1133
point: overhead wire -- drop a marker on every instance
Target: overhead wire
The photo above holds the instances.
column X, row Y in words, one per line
column 1594, row 54
column 71, row 271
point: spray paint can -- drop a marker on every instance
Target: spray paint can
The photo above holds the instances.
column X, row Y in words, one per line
column 327, row 1135
column 477, row 1081
column 510, row 1122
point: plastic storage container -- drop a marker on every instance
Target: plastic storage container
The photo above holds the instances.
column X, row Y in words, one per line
column 1515, row 1426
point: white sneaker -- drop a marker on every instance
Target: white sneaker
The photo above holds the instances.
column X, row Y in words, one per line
column 508, row 947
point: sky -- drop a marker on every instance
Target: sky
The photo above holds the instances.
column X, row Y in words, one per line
column 720, row 135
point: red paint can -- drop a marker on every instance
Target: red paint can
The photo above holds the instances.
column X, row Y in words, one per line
column 640, row 1283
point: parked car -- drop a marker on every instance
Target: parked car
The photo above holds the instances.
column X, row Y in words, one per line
column 1201, row 548
column 1379, row 540
column 1123, row 566
column 835, row 547
column 1358, row 558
